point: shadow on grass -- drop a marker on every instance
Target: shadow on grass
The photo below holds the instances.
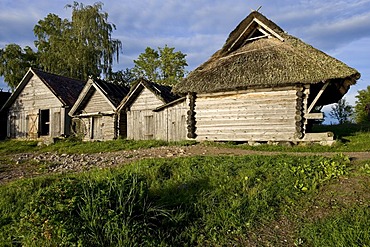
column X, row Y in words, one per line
column 342, row 130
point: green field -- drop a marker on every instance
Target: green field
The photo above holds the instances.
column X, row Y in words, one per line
column 256, row 200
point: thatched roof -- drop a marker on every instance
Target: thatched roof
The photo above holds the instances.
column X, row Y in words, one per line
column 260, row 54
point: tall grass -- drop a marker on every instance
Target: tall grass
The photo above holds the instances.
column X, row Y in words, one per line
column 194, row 201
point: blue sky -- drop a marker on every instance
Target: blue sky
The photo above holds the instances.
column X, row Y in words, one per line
column 198, row 28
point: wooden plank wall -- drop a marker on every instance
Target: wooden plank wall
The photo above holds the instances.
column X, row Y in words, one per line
column 248, row 116
column 143, row 123
column 23, row 113
column 140, row 114
column 97, row 103
column 177, row 122
column 171, row 123
column 99, row 128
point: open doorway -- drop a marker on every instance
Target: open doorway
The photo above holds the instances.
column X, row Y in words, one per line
column 44, row 122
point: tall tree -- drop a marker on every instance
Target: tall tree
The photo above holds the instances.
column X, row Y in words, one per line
column 77, row 48
column 14, row 62
column 164, row 65
column 362, row 107
column 342, row 111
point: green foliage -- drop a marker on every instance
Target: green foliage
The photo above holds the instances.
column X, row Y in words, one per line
column 309, row 175
column 342, row 111
column 164, row 66
column 14, row 62
column 77, row 48
column 362, row 107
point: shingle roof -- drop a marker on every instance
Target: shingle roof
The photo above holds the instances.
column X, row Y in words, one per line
column 271, row 58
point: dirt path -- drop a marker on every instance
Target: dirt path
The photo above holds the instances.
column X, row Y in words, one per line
column 34, row 164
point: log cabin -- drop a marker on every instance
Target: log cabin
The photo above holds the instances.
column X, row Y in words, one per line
column 152, row 111
column 39, row 106
column 263, row 85
column 95, row 111
column 4, row 96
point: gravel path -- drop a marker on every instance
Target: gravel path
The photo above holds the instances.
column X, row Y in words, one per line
column 34, row 164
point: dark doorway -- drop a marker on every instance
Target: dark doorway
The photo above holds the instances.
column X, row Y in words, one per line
column 44, row 122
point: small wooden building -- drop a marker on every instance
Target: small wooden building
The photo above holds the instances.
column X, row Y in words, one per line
column 263, row 85
column 39, row 106
column 4, row 96
column 152, row 111
column 94, row 113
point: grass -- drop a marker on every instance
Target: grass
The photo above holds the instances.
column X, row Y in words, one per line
column 71, row 145
column 255, row 200
column 192, row 201
column 350, row 138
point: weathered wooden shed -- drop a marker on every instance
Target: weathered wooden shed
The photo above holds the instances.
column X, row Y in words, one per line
column 263, row 85
column 152, row 111
column 95, row 111
column 39, row 106
column 4, row 96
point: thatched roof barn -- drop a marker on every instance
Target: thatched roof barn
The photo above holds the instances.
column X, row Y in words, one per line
column 259, row 55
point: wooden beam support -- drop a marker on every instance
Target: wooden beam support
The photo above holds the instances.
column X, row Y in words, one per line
column 317, row 97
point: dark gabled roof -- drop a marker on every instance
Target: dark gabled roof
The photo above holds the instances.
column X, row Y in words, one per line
column 64, row 88
column 258, row 53
column 115, row 93
column 164, row 93
column 111, row 92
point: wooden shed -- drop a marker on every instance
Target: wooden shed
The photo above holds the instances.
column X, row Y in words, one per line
column 263, row 85
column 95, row 111
column 4, row 96
column 152, row 111
column 39, row 106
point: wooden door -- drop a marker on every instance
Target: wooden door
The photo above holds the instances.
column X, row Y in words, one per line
column 96, row 128
column 32, row 126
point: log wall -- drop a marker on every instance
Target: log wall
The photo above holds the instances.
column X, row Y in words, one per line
column 246, row 116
